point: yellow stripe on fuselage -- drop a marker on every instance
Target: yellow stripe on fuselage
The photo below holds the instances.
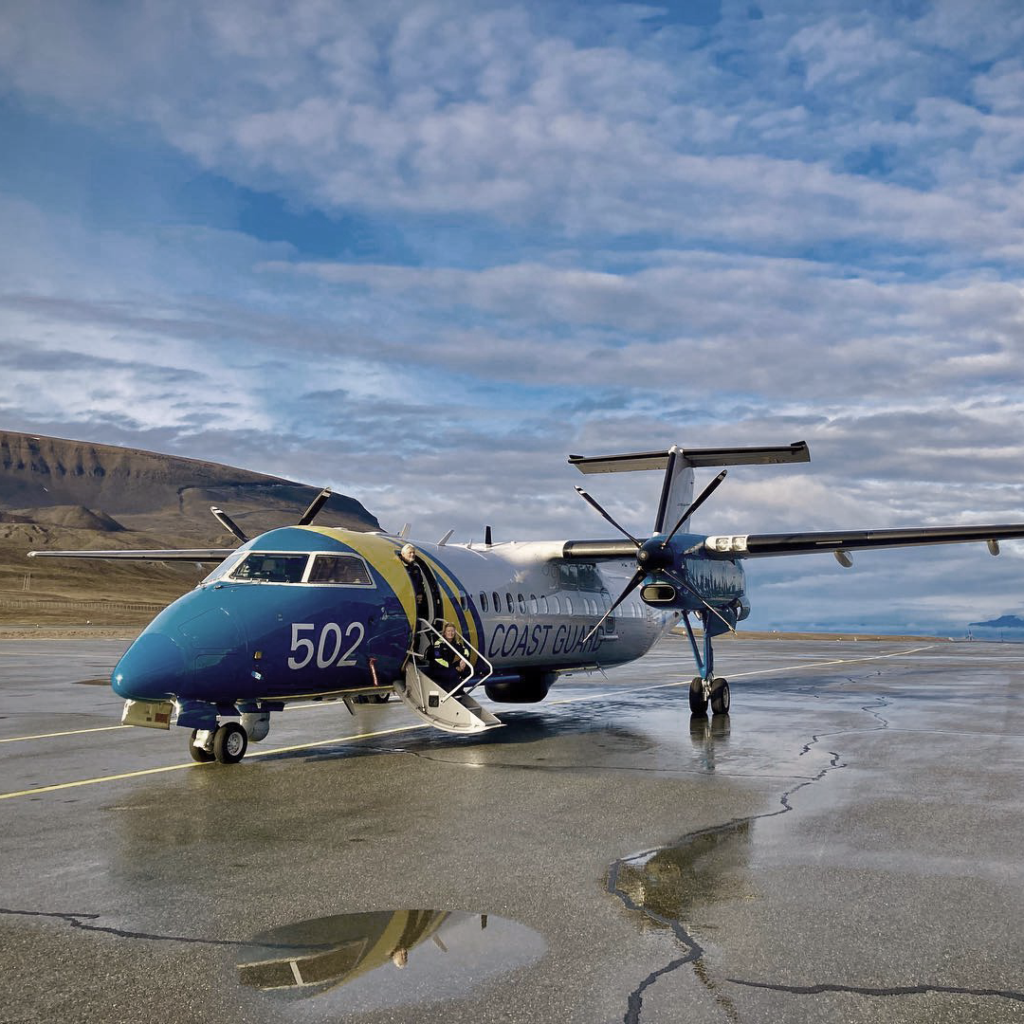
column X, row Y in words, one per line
column 451, row 613
column 382, row 554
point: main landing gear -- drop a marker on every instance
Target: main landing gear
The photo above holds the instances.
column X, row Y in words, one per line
column 706, row 688
column 709, row 691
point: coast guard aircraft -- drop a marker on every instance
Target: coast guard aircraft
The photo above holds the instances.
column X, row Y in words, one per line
column 314, row 612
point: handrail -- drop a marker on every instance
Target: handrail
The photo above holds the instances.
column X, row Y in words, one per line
column 479, row 654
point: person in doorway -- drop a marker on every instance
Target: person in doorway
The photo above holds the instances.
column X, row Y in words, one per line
column 449, row 659
column 419, row 585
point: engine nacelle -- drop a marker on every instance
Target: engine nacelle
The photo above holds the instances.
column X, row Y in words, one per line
column 524, row 688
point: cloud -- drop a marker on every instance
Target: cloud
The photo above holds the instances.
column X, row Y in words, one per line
column 547, row 228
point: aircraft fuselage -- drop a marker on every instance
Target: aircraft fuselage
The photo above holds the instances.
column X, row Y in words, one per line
column 309, row 611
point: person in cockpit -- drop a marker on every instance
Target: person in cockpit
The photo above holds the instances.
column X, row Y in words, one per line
column 449, row 659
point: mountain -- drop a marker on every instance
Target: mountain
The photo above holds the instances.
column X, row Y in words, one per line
column 1006, row 627
column 64, row 494
column 146, row 489
column 1003, row 622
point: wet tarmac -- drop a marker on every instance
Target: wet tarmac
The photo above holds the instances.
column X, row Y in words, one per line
column 845, row 846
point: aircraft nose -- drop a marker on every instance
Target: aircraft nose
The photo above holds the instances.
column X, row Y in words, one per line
column 153, row 668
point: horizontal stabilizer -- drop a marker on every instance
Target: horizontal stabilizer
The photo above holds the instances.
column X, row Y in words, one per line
column 630, row 462
column 168, row 555
column 760, row 545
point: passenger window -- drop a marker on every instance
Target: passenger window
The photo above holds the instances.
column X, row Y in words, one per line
column 483, row 602
column 271, row 568
column 557, row 605
column 510, row 602
column 522, row 604
column 348, row 570
column 544, row 604
column 533, row 604
column 497, row 600
column 568, row 604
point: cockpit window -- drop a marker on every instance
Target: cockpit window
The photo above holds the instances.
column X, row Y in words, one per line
column 271, row 568
column 346, row 569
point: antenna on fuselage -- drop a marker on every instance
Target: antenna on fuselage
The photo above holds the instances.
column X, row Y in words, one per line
column 487, row 536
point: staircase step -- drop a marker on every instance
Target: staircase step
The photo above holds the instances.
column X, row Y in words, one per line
column 428, row 701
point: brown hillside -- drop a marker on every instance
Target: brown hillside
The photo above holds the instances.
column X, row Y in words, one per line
column 66, row 495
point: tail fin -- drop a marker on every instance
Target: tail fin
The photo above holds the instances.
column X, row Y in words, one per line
column 678, row 464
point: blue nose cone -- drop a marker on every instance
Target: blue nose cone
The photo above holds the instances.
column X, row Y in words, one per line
column 153, row 668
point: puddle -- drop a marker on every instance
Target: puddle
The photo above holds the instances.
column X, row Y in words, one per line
column 675, row 884
column 384, row 958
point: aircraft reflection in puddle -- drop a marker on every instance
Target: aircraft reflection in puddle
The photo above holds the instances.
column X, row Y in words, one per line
column 677, row 884
column 388, row 957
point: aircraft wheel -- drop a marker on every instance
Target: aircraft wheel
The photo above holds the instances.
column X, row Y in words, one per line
column 720, row 697
column 381, row 698
column 698, row 702
column 200, row 754
column 230, row 743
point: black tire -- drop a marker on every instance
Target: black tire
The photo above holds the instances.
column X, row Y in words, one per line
column 381, row 698
column 230, row 743
column 199, row 754
column 720, row 697
column 698, row 705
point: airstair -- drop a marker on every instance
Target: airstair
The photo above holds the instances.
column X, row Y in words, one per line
column 451, row 710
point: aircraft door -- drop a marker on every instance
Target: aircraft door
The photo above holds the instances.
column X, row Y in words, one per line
column 428, row 596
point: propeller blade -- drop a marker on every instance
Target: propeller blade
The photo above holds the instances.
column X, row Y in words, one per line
column 700, row 597
column 704, row 495
column 630, row 587
column 600, row 511
column 228, row 523
column 314, row 507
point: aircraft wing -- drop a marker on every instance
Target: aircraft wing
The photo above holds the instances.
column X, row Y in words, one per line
column 760, row 545
column 158, row 555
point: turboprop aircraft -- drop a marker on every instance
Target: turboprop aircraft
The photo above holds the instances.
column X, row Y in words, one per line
column 313, row 612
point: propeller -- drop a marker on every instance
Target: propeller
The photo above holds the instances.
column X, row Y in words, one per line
column 704, row 495
column 304, row 520
column 314, row 507
column 228, row 523
column 654, row 554
column 593, row 503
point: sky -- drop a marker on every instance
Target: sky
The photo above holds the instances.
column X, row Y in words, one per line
column 423, row 251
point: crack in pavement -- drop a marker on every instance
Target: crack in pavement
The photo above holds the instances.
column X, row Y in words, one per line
column 896, row 990
column 695, row 952
column 82, row 922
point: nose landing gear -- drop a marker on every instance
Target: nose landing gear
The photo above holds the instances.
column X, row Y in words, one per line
column 226, row 744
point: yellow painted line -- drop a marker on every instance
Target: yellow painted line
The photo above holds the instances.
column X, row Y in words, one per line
column 70, row 732
column 743, row 675
column 413, row 728
column 194, row 764
column 110, row 728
